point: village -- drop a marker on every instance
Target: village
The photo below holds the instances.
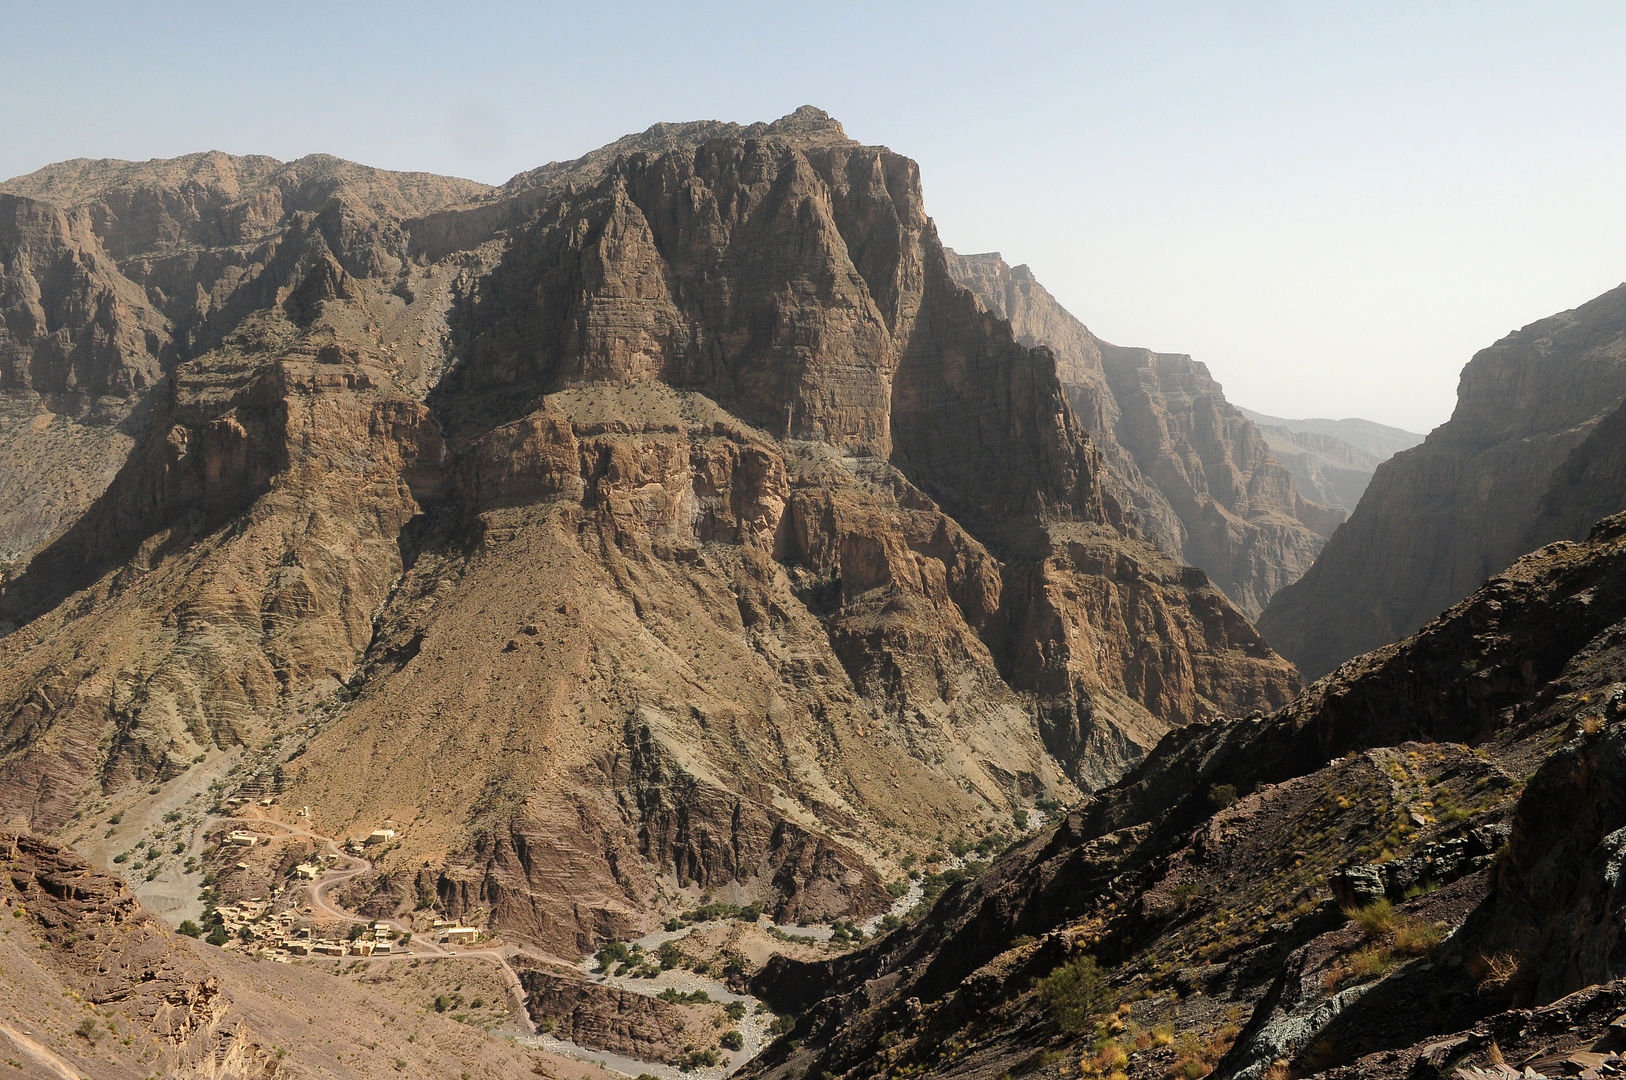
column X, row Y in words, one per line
column 283, row 924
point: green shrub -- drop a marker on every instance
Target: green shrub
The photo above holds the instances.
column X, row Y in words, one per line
column 217, row 936
column 732, row 1040
column 735, row 1010
column 613, row 953
column 1222, row 795
column 1076, row 993
column 679, row 997
column 190, row 928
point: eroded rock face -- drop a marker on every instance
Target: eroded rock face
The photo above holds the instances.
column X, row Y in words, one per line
column 607, row 1018
column 737, row 544
column 111, row 273
column 1197, row 476
column 80, row 350
column 1528, row 457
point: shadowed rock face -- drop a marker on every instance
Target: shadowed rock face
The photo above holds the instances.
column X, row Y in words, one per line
column 736, row 545
column 1529, row 456
column 1469, row 777
column 1197, row 476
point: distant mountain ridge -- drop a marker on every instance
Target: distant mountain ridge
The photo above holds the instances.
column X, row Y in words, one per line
column 1332, row 460
column 1379, row 440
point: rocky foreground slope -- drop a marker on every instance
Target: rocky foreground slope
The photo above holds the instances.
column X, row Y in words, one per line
column 1199, row 478
column 93, row 985
column 1529, row 456
column 664, row 523
column 1407, row 871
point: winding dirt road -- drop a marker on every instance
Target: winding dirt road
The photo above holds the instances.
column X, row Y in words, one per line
column 353, row 867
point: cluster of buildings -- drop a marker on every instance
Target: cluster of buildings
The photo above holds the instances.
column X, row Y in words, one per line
column 283, row 940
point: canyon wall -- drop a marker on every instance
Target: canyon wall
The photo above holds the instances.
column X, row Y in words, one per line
column 1198, row 477
column 1530, row 455
column 668, row 523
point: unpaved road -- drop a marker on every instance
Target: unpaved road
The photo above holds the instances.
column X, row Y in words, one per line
column 39, row 1053
column 353, row 867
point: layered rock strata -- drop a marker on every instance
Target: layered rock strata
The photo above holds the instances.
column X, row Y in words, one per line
column 738, row 551
column 1198, row 476
column 1526, row 458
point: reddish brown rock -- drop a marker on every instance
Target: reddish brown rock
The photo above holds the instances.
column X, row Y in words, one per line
column 700, row 569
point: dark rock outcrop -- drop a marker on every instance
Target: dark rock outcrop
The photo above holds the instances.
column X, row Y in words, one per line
column 1259, row 816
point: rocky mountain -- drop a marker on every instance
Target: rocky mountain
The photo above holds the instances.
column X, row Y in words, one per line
column 1529, row 456
column 663, row 525
column 1335, row 472
column 1379, row 440
column 1412, row 870
column 111, row 272
column 1200, row 478
column 96, row 986
column 1333, row 460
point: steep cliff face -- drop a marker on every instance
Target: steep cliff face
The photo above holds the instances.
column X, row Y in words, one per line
column 1198, row 477
column 111, row 273
column 737, row 551
column 1526, row 458
column 80, row 350
column 1417, row 846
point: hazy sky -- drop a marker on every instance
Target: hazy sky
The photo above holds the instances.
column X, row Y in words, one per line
column 1332, row 205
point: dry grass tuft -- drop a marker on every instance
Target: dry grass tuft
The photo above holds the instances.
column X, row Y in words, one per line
column 1499, row 970
column 1375, row 919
